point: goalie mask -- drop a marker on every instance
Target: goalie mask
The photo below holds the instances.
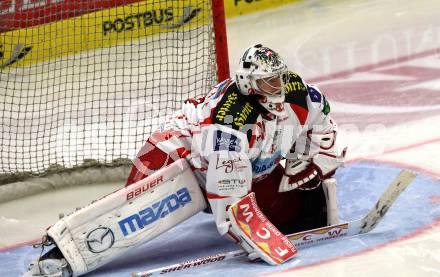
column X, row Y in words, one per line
column 262, row 71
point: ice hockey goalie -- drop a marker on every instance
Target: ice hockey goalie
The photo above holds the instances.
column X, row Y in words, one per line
column 221, row 154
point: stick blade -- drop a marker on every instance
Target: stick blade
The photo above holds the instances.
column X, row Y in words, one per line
column 399, row 184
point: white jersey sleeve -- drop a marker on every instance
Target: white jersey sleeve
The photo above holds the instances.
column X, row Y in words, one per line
column 315, row 151
column 320, row 132
column 322, row 135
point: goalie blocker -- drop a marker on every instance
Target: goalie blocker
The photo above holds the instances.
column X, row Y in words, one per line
column 129, row 217
column 256, row 234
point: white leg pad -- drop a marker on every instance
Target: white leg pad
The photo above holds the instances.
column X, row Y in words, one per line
column 329, row 187
column 129, row 217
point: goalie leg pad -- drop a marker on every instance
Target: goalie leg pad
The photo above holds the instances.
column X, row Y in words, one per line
column 129, row 217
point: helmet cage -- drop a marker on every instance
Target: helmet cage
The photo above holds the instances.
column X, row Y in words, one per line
column 271, row 84
column 257, row 69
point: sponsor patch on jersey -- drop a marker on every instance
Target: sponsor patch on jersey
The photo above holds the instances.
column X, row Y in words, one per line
column 226, row 141
column 230, row 165
column 294, row 84
column 296, row 96
column 242, row 116
column 296, row 91
column 236, row 110
column 227, row 186
column 261, row 165
column 314, row 94
column 226, row 107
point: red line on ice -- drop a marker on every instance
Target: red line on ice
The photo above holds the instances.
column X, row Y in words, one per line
column 369, row 67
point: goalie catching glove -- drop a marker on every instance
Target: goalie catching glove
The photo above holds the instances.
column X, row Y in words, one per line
column 256, row 234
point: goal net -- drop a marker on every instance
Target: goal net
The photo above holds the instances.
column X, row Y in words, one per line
column 84, row 82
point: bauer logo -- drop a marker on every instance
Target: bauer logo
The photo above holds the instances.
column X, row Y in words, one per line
column 100, row 239
column 226, row 141
column 158, row 210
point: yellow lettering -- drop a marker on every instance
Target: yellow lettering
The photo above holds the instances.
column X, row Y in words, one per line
column 225, row 109
column 243, row 115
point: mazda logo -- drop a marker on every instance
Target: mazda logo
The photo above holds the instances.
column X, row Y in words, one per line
column 100, row 239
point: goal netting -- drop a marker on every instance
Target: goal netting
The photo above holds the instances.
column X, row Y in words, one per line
column 83, row 83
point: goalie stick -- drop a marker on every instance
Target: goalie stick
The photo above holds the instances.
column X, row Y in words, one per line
column 310, row 237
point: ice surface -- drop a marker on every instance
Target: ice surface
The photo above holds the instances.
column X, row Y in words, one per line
column 360, row 185
column 378, row 64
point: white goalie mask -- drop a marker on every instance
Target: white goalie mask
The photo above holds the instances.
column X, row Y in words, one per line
column 262, row 71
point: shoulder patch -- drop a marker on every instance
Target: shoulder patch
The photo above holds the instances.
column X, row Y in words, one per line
column 314, row 94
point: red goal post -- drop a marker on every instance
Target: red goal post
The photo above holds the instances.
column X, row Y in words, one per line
column 83, row 83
